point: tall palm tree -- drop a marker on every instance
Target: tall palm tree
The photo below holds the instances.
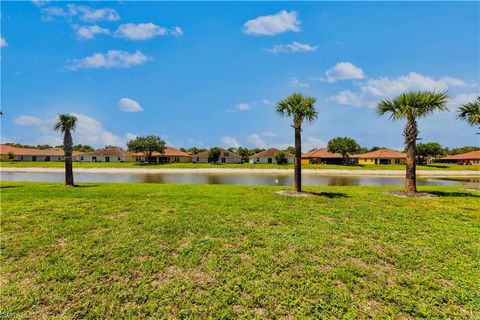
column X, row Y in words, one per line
column 470, row 112
column 66, row 124
column 299, row 108
column 411, row 106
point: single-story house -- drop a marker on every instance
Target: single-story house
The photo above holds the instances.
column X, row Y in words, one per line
column 105, row 155
column 268, row 156
column 380, row 156
column 169, row 155
column 9, row 153
column 321, row 156
column 225, row 157
column 468, row 158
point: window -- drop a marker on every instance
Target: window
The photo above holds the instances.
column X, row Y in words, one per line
column 47, row 158
column 269, row 160
column 94, row 159
column 177, row 159
column 107, row 159
column 258, row 159
column 224, row 160
column 81, row 158
column 21, row 157
column 226, row 154
column 118, row 158
column 34, row 158
column 138, row 159
column 198, row 159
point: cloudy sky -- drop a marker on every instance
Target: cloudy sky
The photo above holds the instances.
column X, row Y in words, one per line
column 208, row 74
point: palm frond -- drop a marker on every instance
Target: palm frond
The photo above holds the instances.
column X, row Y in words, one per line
column 66, row 122
column 470, row 112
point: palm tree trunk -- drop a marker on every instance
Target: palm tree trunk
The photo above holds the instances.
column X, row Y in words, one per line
column 298, row 160
column 68, row 146
column 410, row 134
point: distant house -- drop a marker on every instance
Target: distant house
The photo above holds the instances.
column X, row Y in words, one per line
column 469, row 158
column 105, row 155
column 321, row 156
column 380, row 156
column 268, row 156
column 225, row 157
column 33, row 154
column 169, row 155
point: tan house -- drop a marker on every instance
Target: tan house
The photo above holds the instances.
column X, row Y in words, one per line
column 225, row 157
column 105, row 155
column 268, row 156
column 380, row 156
column 169, row 155
column 468, row 158
column 32, row 154
column 321, row 156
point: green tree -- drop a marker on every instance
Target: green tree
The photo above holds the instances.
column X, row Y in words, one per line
column 43, row 146
column 232, row 149
column 214, row 155
column 300, row 108
column 464, row 149
column 428, row 150
column 83, row 148
column 290, row 149
column 280, row 157
column 183, row 149
column 112, row 147
column 244, row 153
column 343, row 145
column 147, row 145
column 411, row 106
column 66, row 124
column 470, row 112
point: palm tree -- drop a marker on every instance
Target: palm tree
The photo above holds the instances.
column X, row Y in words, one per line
column 299, row 108
column 411, row 106
column 66, row 124
column 470, row 112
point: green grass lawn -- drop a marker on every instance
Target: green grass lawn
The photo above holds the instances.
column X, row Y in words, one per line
column 212, row 251
column 26, row 164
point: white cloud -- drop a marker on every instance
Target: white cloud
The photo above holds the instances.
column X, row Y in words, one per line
column 292, row 47
column 129, row 105
column 267, row 134
column 88, row 131
column 40, row 3
column 130, row 136
column 273, row 24
column 3, row 42
column 228, row 142
column 84, row 13
column 240, row 107
column 343, row 71
column 256, row 141
column 374, row 90
column 89, row 32
column 461, row 99
column 144, row 31
column 111, row 59
column 294, row 82
column 312, row 142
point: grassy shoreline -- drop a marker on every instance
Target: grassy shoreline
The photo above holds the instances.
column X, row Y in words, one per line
column 200, row 251
column 20, row 164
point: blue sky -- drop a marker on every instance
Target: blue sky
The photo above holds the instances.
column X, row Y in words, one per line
column 205, row 74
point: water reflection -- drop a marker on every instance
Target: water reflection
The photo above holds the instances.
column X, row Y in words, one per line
column 236, row 178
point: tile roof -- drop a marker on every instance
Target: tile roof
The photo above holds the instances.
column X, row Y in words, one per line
column 321, row 153
column 472, row 155
column 168, row 152
column 381, row 154
column 108, row 152
column 5, row 149
column 222, row 152
column 270, row 153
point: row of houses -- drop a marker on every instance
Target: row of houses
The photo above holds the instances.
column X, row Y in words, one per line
column 172, row 155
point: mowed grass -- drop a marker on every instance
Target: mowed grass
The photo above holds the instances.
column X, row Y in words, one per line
column 43, row 164
column 106, row 251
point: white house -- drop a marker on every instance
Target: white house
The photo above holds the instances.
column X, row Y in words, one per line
column 225, row 157
column 105, row 155
column 268, row 156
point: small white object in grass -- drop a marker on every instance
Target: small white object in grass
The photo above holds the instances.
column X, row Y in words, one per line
column 276, row 180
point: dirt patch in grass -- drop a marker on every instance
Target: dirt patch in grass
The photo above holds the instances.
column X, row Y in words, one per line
column 404, row 194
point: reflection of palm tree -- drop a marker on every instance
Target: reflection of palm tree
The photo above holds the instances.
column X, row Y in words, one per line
column 411, row 106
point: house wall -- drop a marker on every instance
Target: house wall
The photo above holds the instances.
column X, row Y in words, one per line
column 89, row 158
column 264, row 160
column 164, row 159
column 37, row 158
column 196, row 159
column 322, row 160
column 372, row 161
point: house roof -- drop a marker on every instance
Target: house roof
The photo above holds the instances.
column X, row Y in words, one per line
column 270, row 153
column 107, row 152
column 472, row 155
column 168, row 152
column 321, row 153
column 381, row 154
column 5, row 149
column 222, row 154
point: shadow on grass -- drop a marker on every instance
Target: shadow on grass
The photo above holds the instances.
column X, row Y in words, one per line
column 9, row 187
column 86, row 185
column 454, row 194
column 330, row 195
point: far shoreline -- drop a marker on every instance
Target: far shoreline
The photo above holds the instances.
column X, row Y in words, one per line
column 286, row 171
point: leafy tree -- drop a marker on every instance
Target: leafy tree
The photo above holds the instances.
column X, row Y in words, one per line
column 290, row 149
column 470, row 112
column 464, row 149
column 43, row 146
column 255, row 151
column 231, row 149
column 112, row 147
column 411, row 106
column 11, row 156
column 214, row 155
column 428, row 150
column 147, row 145
column 280, row 157
column 66, row 124
column 343, row 145
column 83, row 148
column 299, row 108
column 244, row 153
column 196, row 150
column 183, row 149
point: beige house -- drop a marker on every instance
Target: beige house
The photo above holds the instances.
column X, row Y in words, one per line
column 105, row 155
column 468, row 158
column 169, row 155
column 321, row 156
column 380, row 156
column 268, row 156
column 11, row 153
column 225, row 157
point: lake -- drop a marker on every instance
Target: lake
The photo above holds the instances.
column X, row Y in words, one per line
column 263, row 179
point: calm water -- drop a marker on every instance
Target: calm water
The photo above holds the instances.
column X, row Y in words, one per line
column 236, row 178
